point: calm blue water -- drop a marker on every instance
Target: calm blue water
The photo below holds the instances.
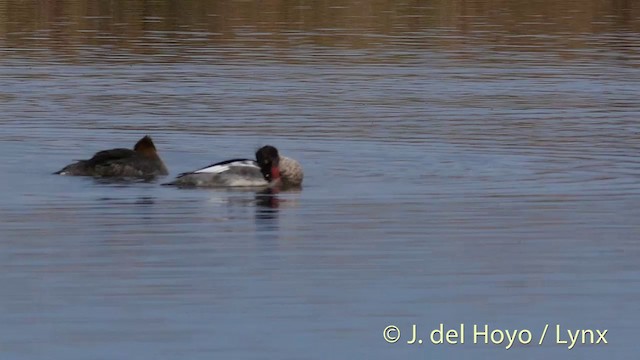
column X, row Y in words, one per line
column 449, row 178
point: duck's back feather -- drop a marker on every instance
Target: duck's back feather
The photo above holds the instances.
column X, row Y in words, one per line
column 116, row 162
column 221, row 167
column 105, row 156
column 235, row 173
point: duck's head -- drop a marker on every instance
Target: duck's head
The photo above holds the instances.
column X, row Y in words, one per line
column 269, row 162
column 146, row 147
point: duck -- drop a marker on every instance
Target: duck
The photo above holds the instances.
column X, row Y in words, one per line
column 269, row 170
column 141, row 162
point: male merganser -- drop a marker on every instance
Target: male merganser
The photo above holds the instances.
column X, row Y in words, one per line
column 143, row 161
column 268, row 170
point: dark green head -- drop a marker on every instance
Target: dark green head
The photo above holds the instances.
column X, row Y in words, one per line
column 269, row 162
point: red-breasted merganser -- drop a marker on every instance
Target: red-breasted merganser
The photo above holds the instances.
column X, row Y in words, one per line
column 141, row 162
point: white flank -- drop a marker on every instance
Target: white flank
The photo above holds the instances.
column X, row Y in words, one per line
column 248, row 182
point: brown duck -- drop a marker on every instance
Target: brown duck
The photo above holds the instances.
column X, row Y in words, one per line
column 141, row 162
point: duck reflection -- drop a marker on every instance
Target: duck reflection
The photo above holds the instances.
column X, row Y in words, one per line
column 267, row 204
column 268, row 198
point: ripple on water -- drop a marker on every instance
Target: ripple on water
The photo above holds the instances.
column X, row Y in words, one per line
column 466, row 162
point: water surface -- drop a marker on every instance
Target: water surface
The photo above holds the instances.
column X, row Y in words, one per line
column 466, row 162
